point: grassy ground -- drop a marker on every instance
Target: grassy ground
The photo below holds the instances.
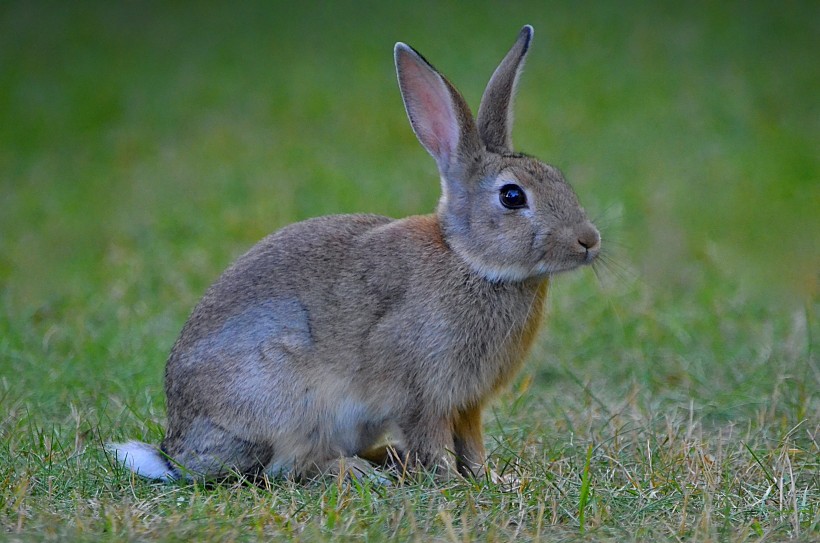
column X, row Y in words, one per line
column 145, row 145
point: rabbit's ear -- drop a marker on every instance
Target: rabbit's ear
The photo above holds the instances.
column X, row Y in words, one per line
column 495, row 114
column 437, row 112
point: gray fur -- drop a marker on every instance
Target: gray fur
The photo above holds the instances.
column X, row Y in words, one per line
column 335, row 333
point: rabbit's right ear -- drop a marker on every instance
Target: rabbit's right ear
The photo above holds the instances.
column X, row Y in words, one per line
column 495, row 114
column 438, row 114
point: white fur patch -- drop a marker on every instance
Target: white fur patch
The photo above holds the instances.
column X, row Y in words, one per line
column 502, row 272
column 144, row 460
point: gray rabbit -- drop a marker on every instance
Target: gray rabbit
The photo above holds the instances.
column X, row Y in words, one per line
column 338, row 336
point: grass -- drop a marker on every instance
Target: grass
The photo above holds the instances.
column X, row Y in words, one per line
column 143, row 146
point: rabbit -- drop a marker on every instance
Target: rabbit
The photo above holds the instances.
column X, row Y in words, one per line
column 341, row 338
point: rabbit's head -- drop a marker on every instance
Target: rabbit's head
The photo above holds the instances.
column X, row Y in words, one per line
column 508, row 215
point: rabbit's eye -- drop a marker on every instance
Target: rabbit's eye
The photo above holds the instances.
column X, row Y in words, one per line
column 513, row 197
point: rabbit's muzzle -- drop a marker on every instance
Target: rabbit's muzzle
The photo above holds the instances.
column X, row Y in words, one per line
column 589, row 242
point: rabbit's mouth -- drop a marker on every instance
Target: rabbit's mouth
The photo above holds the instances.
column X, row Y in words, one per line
column 569, row 249
column 591, row 253
column 568, row 262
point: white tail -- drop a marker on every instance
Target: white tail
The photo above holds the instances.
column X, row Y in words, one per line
column 143, row 459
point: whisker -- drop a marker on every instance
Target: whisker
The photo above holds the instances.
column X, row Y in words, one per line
column 605, row 264
column 617, row 242
column 604, row 216
column 597, row 272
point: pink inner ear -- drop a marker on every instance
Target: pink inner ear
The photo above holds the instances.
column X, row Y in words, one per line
column 438, row 116
column 431, row 110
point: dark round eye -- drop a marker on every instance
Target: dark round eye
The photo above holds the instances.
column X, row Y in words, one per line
column 512, row 197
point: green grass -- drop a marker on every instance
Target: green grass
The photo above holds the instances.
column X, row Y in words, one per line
column 143, row 146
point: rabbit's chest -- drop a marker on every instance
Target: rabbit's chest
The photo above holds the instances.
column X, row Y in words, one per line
column 504, row 337
column 462, row 348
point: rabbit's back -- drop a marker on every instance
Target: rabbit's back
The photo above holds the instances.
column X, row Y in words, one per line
column 312, row 252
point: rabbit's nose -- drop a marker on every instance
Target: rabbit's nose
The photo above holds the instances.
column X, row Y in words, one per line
column 590, row 240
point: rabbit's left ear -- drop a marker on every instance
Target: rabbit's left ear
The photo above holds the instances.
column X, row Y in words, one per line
column 437, row 112
column 495, row 114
